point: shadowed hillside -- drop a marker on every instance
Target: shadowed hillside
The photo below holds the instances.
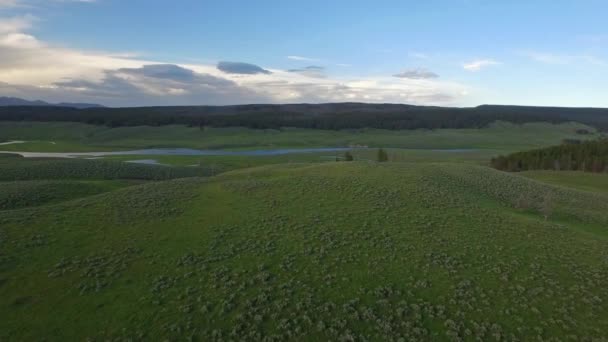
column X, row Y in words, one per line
column 320, row 116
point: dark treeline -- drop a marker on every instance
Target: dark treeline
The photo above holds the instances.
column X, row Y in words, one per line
column 590, row 156
column 321, row 116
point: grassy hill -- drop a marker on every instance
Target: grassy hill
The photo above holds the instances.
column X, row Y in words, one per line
column 334, row 251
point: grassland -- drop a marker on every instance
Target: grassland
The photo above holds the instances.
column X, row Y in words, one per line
column 14, row 195
column 433, row 245
column 16, row 168
column 74, row 137
column 454, row 145
column 336, row 251
column 587, row 181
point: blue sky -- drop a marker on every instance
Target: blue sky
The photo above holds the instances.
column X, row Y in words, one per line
column 453, row 53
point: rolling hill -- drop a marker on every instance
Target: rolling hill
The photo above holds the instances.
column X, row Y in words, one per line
column 333, row 251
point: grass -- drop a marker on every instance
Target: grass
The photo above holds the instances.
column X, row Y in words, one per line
column 594, row 182
column 17, row 168
column 73, row 137
column 14, row 195
column 467, row 145
column 433, row 245
column 334, row 251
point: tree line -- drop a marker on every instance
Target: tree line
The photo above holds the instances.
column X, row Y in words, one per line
column 322, row 116
column 589, row 156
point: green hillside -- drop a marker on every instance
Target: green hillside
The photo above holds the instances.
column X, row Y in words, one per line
column 333, row 251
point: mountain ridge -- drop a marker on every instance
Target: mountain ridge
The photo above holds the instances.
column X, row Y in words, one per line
column 7, row 101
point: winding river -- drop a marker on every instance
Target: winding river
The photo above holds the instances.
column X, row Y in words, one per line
column 177, row 152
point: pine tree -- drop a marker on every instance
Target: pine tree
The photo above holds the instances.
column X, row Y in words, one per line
column 348, row 156
column 382, row 156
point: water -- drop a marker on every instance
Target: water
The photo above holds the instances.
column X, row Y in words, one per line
column 455, row 150
column 145, row 162
column 178, row 152
column 193, row 152
column 13, row 142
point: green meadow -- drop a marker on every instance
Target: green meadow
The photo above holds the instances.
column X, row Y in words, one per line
column 432, row 245
column 76, row 137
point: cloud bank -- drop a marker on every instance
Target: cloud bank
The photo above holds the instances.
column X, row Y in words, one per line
column 241, row 68
column 417, row 74
column 31, row 68
column 313, row 71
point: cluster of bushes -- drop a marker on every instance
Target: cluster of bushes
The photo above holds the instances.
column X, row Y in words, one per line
column 381, row 156
column 322, row 116
column 589, row 156
column 15, row 195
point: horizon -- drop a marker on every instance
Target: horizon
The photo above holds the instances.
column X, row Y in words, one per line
column 460, row 54
column 58, row 104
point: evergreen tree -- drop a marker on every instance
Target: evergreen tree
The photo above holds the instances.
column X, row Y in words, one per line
column 588, row 156
column 382, row 156
column 348, row 156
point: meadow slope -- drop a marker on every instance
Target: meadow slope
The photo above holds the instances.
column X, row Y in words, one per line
column 334, row 251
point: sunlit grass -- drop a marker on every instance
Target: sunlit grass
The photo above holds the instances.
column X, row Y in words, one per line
column 334, row 251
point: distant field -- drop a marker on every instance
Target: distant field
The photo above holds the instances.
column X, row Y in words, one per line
column 19, row 169
column 72, row 137
column 573, row 179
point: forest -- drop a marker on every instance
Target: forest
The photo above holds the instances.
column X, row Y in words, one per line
column 322, row 116
column 588, row 156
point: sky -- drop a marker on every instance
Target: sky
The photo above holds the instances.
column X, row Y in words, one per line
column 204, row 52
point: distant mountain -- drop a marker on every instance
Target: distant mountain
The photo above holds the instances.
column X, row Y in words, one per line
column 15, row 101
column 79, row 105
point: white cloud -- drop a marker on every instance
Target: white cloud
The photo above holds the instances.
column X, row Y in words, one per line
column 36, row 3
column 479, row 64
column 304, row 59
column 417, row 74
column 9, row 3
column 32, row 68
column 563, row 59
column 16, row 24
